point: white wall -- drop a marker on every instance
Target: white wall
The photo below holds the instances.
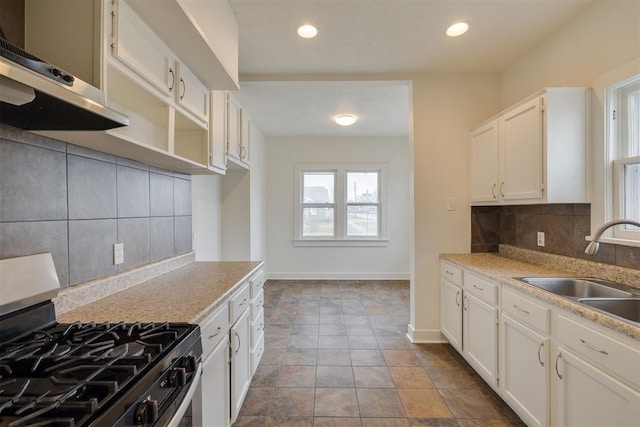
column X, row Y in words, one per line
column 604, row 36
column 258, row 196
column 598, row 48
column 445, row 107
column 205, row 198
column 286, row 261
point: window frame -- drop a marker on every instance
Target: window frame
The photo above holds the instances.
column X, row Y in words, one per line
column 341, row 237
column 619, row 156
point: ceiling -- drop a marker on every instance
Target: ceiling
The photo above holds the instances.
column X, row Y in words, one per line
column 293, row 86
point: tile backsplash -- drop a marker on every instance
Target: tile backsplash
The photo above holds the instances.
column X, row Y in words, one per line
column 565, row 227
column 76, row 203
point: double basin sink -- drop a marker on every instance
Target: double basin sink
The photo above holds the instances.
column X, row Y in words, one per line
column 607, row 297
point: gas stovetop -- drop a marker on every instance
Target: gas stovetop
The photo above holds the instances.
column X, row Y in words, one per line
column 86, row 374
column 66, row 374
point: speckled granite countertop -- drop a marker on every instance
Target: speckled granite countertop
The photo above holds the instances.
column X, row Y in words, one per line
column 187, row 294
column 503, row 269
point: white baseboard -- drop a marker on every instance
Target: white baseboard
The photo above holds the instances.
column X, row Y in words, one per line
column 322, row 275
column 425, row 336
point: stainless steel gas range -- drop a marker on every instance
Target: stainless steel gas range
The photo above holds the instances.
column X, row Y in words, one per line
column 87, row 374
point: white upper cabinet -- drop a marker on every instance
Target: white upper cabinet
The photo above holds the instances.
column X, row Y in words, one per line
column 484, row 163
column 141, row 50
column 191, row 93
column 533, row 152
column 521, row 146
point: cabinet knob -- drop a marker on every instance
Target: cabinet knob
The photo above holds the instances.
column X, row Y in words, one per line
column 184, row 89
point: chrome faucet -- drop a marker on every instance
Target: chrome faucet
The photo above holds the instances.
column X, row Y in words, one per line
column 593, row 245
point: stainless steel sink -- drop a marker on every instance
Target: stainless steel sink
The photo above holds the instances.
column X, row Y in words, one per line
column 626, row 308
column 577, row 288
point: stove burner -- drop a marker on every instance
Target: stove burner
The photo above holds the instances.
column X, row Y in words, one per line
column 63, row 375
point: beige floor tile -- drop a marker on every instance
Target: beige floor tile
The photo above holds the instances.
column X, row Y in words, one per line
column 400, row 358
column 334, row 376
column 334, row 358
column 372, row 377
column 424, row 403
column 385, row 422
column 292, row 402
column 336, row 422
column 367, row 358
column 296, row 376
column 336, row 402
column 410, row 377
column 376, row 403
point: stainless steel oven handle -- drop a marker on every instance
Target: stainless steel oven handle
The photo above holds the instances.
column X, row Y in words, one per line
column 184, row 405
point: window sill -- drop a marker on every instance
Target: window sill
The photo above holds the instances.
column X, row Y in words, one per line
column 617, row 241
column 341, row 242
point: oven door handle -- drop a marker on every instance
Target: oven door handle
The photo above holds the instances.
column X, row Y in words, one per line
column 182, row 409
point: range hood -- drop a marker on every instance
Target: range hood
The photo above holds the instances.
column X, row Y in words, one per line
column 35, row 95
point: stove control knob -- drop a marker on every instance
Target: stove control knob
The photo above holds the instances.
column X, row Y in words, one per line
column 177, row 377
column 190, row 363
column 147, row 412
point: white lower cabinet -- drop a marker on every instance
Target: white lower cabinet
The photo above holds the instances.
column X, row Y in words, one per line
column 524, row 371
column 451, row 313
column 587, row 396
column 480, row 337
column 215, row 387
column 551, row 366
column 240, row 337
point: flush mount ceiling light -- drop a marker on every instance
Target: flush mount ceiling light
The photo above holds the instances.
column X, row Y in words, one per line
column 457, row 29
column 307, row 31
column 346, row 119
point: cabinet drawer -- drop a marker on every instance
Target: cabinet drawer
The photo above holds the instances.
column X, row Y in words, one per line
column 239, row 302
column 481, row 288
column 256, row 304
column 214, row 329
column 612, row 355
column 256, row 354
column 257, row 327
column 525, row 310
column 451, row 273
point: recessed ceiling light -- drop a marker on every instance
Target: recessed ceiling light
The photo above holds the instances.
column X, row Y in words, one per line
column 457, row 29
column 307, row 31
column 346, row 119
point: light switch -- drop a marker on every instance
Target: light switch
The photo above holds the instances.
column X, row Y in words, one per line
column 540, row 238
column 451, row 204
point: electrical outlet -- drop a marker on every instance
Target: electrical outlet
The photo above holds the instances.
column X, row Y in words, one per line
column 118, row 253
column 451, row 204
column 540, row 238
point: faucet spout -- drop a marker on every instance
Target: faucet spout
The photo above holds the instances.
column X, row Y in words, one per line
column 594, row 244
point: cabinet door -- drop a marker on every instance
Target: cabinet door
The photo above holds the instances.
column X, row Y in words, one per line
column 451, row 313
column 245, row 137
column 588, row 397
column 191, row 94
column 218, row 130
column 521, row 152
column 215, row 404
column 140, row 49
column 233, row 127
column 240, row 362
column 484, row 163
column 524, row 373
column 480, row 337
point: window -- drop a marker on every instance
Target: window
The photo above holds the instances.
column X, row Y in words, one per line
column 340, row 205
column 624, row 146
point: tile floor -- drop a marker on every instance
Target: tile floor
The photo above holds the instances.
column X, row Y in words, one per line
column 336, row 355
